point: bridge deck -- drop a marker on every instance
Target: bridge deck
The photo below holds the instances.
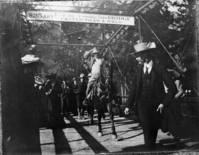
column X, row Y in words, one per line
column 80, row 138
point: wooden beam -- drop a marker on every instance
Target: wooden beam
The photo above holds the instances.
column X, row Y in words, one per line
column 114, row 35
column 143, row 6
column 57, row 44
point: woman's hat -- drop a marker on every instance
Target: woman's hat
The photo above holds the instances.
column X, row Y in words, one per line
column 29, row 58
column 38, row 80
column 144, row 47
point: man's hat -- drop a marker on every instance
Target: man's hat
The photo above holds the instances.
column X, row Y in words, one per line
column 144, row 47
column 95, row 51
column 81, row 75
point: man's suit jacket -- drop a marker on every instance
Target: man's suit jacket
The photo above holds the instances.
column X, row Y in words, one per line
column 159, row 75
column 82, row 85
column 55, row 92
column 66, row 90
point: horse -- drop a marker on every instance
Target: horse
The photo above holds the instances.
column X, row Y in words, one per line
column 102, row 94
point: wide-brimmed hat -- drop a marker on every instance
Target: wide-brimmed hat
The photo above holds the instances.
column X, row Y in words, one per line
column 29, row 58
column 95, row 51
column 144, row 47
column 38, row 80
column 81, row 75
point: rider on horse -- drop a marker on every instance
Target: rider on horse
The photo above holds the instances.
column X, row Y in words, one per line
column 94, row 60
column 100, row 88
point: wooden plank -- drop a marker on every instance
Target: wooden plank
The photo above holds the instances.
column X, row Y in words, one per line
column 57, row 44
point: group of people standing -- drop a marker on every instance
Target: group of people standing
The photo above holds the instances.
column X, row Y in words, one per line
column 63, row 97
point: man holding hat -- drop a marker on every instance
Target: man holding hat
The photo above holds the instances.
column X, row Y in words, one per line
column 148, row 94
column 94, row 62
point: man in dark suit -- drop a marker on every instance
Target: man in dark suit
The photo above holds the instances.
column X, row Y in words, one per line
column 76, row 93
column 148, row 94
column 66, row 97
column 82, row 89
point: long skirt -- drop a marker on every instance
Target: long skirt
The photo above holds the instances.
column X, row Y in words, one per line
column 54, row 116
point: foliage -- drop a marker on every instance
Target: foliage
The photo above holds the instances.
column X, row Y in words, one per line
column 172, row 28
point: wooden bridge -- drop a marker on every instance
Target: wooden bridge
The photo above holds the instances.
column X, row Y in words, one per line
column 81, row 138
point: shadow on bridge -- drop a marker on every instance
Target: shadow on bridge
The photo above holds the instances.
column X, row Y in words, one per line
column 61, row 143
column 89, row 139
column 164, row 146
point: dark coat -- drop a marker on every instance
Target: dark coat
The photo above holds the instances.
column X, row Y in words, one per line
column 56, row 91
column 159, row 75
column 75, row 88
column 66, row 90
column 53, row 102
column 82, row 85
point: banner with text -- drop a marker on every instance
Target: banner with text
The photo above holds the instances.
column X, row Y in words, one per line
column 80, row 17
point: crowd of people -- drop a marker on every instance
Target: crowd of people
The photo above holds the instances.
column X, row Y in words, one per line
column 155, row 94
column 63, row 97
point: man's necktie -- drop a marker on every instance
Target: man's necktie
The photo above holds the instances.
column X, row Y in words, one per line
column 147, row 75
column 146, row 71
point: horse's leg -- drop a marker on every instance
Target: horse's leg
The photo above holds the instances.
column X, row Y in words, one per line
column 111, row 115
column 91, row 107
column 99, row 116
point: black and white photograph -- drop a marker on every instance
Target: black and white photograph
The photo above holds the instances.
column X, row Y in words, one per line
column 99, row 77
